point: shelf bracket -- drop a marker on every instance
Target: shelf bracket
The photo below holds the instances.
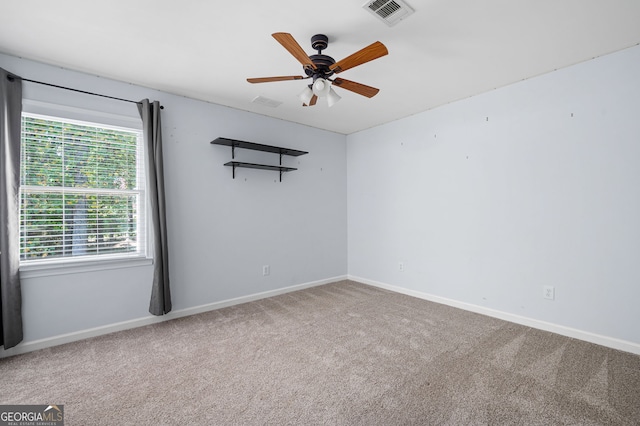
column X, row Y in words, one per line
column 280, row 166
column 233, row 153
column 234, row 171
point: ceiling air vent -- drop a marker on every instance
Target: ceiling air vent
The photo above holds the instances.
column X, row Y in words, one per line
column 389, row 11
column 261, row 100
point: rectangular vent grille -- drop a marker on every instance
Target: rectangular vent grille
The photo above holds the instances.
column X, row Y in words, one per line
column 389, row 11
column 261, row 100
column 384, row 10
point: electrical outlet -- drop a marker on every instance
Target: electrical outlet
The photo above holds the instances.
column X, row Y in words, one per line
column 548, row 292
column 401, row 266
column 266, row 270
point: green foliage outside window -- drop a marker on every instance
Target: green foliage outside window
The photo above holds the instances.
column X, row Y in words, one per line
column 81, row 191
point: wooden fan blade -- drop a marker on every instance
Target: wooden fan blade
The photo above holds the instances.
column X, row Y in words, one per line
column 269, row 79
column 312, row 102
column 369, row 53
column 360, row 89
column 288, row 42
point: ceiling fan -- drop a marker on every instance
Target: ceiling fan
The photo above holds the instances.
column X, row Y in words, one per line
column 321, row 67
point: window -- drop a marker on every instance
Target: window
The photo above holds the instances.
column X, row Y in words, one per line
column 81, row 191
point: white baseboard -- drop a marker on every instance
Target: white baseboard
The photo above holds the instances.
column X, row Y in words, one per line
column 610, row 342
column 151, row 319
column 598, row 339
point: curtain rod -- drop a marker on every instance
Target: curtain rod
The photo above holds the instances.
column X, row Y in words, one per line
column 82, row 91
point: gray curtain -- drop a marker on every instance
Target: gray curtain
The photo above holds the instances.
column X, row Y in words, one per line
column 10, row 294
column 160, row 290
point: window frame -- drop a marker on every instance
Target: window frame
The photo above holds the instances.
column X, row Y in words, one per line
column 79, row 264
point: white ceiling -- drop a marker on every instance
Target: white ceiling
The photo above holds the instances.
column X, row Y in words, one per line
column 446, row 51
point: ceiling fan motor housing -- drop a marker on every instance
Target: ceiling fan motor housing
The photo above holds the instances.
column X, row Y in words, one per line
column 322, row 62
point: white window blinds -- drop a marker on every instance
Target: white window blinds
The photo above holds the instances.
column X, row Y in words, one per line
column 81, row 190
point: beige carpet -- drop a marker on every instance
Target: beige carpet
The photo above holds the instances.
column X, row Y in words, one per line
column 339, row 354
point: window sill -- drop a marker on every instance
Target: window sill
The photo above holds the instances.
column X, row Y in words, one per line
column 64, row 268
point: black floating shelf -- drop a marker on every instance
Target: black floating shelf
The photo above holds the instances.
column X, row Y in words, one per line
column 259, row 166
column 234, row 143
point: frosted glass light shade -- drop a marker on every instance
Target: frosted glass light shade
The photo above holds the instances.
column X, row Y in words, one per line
column 332, row 97
column 306, row 95
column 321, row 87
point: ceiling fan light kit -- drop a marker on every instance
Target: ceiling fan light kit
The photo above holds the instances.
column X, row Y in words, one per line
column 332, row 97
column 321, row 87
column 306, row 95
column 321, row 67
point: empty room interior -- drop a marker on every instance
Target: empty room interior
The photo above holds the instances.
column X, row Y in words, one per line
column 420, row 212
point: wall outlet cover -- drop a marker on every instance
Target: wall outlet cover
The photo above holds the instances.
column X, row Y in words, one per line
column 548, row 292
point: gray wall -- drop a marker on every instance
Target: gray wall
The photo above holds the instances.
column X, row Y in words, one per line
column 484, row 200
column 221, row 230
column 488, row 199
